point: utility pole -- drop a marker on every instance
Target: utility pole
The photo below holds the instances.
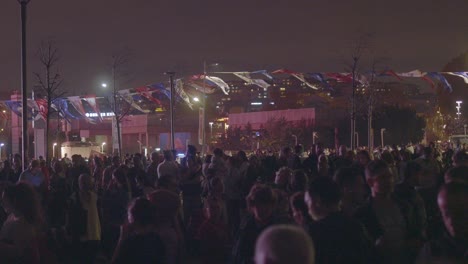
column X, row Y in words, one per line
column 171, row 79
column 24, row 91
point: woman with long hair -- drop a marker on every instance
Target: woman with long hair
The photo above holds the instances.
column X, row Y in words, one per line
column 86, row 227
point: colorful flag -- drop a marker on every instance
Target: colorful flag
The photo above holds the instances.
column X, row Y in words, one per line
column 160, row 88
column 264, row 72
column 319, row 77
column 249, row 80
column 33, row 108
column 125, row 94
column 62, row 105
column 299, row 76
column 204, row 87
column 463, row 75
column 42, row 107
column 148, row 94
column 91, row 99
column 75, row 101
column 339, row 77
column 3, row 115
column 415, row 73
column 15, row 107
column 179, row 89
column 441, row 79
column 219, row 82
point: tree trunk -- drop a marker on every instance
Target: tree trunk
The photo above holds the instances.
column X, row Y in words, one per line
column 370, row 139
column 119, row 136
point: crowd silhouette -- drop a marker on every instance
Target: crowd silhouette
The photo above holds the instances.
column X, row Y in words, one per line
column 399, row 204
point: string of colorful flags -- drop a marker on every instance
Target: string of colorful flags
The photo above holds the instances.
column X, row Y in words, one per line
column 188, row 88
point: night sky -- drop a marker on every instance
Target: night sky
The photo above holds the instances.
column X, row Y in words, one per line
column 241, row 35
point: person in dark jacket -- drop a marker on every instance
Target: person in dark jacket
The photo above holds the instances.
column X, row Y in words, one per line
column 452, row 246
column 337, row 238
column 389, row 220
column 261, row 203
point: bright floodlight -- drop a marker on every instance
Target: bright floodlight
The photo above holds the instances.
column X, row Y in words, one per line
column 103, row 143
column 459, row 102
column 55, row 144
column 1, row 144
column 196, row 99
column 104, row 85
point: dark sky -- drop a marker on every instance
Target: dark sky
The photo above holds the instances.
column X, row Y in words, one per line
column 241, row 35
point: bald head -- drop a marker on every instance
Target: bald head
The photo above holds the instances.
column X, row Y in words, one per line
column 284, row 244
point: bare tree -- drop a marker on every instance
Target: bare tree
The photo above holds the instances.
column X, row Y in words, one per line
column 357, row 49
column 49, row 83
column 120, row 75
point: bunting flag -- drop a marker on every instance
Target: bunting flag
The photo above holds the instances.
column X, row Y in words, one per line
column 159, row 87
column 415, row 73
column 56, row 107
column 15, row 107
column 179, row 89
column 219, row 82
column 463, row 75
column 42, row 107
column 299, row 76
column 319, row 77
column 441, row 79
column 125, row 94
column 91, row 99
column 205, row 87
column 339, row 77
column 3, row 115
column 75, row 101
column 33, row 108
column 147, row 93
column 264, row 72
column 390, row 73
column 248, row 79
column 62, row 105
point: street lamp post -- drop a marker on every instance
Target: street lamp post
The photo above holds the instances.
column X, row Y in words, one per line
column 24, row 92
column 171, row 79
column 464, row 126
column 295, row 140
column 139, row 143
column 314, row 136
column 102, row 146
column 458, row 107
column 381, row 136
column 53, row 149
column 356, row 134
column 211, row 130
column 203, row 130
column 1, row 146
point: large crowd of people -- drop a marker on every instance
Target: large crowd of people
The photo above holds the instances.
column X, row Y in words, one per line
column 393, row 205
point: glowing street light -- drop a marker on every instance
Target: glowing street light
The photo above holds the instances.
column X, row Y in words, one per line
column 196, row 99
column 102, row 146
column 104, row 85
column 53, row 150
column 211, row 129
column 1, row 146
column 381, row 136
